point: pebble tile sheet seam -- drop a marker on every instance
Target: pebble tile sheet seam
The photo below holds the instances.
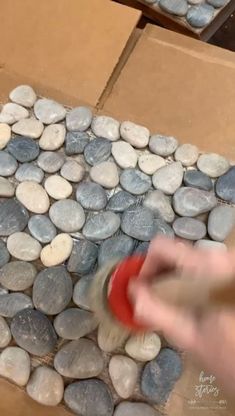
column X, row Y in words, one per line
column 76, row 190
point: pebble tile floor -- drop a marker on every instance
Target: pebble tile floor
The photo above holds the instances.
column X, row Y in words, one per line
column 77, row 190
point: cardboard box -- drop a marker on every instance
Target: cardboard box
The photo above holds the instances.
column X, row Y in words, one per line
column 77, row 51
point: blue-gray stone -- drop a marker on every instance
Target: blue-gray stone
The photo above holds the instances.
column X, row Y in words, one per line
column 91, row 196
column 135, row 181
column 225, row 186
column 78, row 119
column 197, row 179
column 12, row 303
column 138, row 222
column 81, row 291
column 33, row 332
column 162, row 228
column 17, row 275
column 218, row 3
column 189, row 228
column 101, row 226
column 50, row 162
column 83, row 257
column 190, row 202
column 201, row 15
column 8, row 164
column 4, row 254
column 74, row 323
column 98, row 150
column 29, row 172
column 75, row 142
column 24, row 149
column 160, row 375
column 116, row 247
column 42, row 228
column 221, row 222
column 13, row 217
column 120, row 201
column 142, row 248
column 89, row 398
column 176, row 7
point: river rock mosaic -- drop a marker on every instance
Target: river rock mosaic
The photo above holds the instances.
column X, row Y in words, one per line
column 77, row 190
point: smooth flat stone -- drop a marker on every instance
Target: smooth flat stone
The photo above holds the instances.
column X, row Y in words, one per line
column 142, row 248
column 75, row 142
column 221, row 222
column 24, row 149
column 124, row 154
column 218, row 3
column 197, row 179
column 15, row 365
column 17, row 275
column 105, row 174
column 11, row 113
column 187, row 154
column 33, row 332
column 58, row 187
column 213, row 165
column 83, row 257
column 5, row 333
column 225, row 186
column 138, row 222
column 79, row 359
column 135, row 408
column 29, row 172
column 160, row 205
column 136, row 135
column 149, row 163
column 120, row 201
column 160, row 375
column 116, row 247
column 29, row 127
column 8, row 164
column 33, row 197
column 162, row 228
column 175, row 7
column 57, row 251
column 135, row 181
column 46, row 386
column 91, row 196
column 189, row 228
column 106, row 127
column 168, row 178
column 72, row 171
column 75, row 323
column 190, row 202
column 143, row 347
column 210, row 245
column 163, row 145
column 5, row 135
column 4, row 254
column 123, row 372
column 13, row 216
column 101, row 226
column 50, row 162
column 53, row 137
column 49, row 111
column 89, row 397
column 67, row 215
column 12, row 303
column 79, row 119
column 42, row 228
column 97, row 151
column 23, row 95
column 201, row 15
column 81, row 292
column 23, row 247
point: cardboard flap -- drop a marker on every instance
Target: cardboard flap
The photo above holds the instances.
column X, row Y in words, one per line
column 67, row 49
column 179, row 86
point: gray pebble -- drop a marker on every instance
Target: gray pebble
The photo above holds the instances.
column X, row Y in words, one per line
column 190, row 202
column 142, row 248
column 49, row 111
column 13, row 217
column 33, row 332
column 201, row 15
column 225, row 186
column 98, row 150
column 52, row 290
column 210, row 245
column 163, row 145
column 162, row 228
column 72, row 171
column 81, row 292
column 138, row 222
column 12, row 303
column 79, row 359
column 3, row 291
column 89, row 398
column 135, row 408
column 75, row 142
column 75, row 323
column 169, row 178
column 83, row 257
column 15, row 365
column 101, row 226
column 106, row 127
column 4, row 254
column 78, row 119
column 159, row 376
column 221, row 222
column 29, row 172
column 46, row 386
column 213, row 164
column 197, row 179
column 5, row 333
column 24, row 149
column 116, row 247
column 42, row 228
column 67, row 215
column 17, row 275
column 218, row 3
column 50, row 162
column 8, row 164
column 160, row 205
column 91, row 196
column 120, row 201
column 175, row 7
column 135, row 181
column 189, row 228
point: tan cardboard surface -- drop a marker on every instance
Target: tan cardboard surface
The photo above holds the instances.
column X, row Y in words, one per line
column 178, row 86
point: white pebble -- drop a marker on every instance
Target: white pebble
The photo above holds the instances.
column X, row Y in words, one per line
column 46, row 386
column 5, row 135
column 33, row 197
column 137, row 136
column 53, row 137
column 23, row 247
column 187, row 154
column 124, row 154
column 72, row 171
column 23, row 95
column 58, row 187
column 29, row 127
column 105, row 174
column 15, row 365
column 49, row 111
column 149, row 163
column 11, row 113
column 213, row 165
column 57, row 251
column 123, row 372
column 5, row 333
column 143, row 347
column 168, row 178
column 6, row 188
column 106, row 127
column 210, row 245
